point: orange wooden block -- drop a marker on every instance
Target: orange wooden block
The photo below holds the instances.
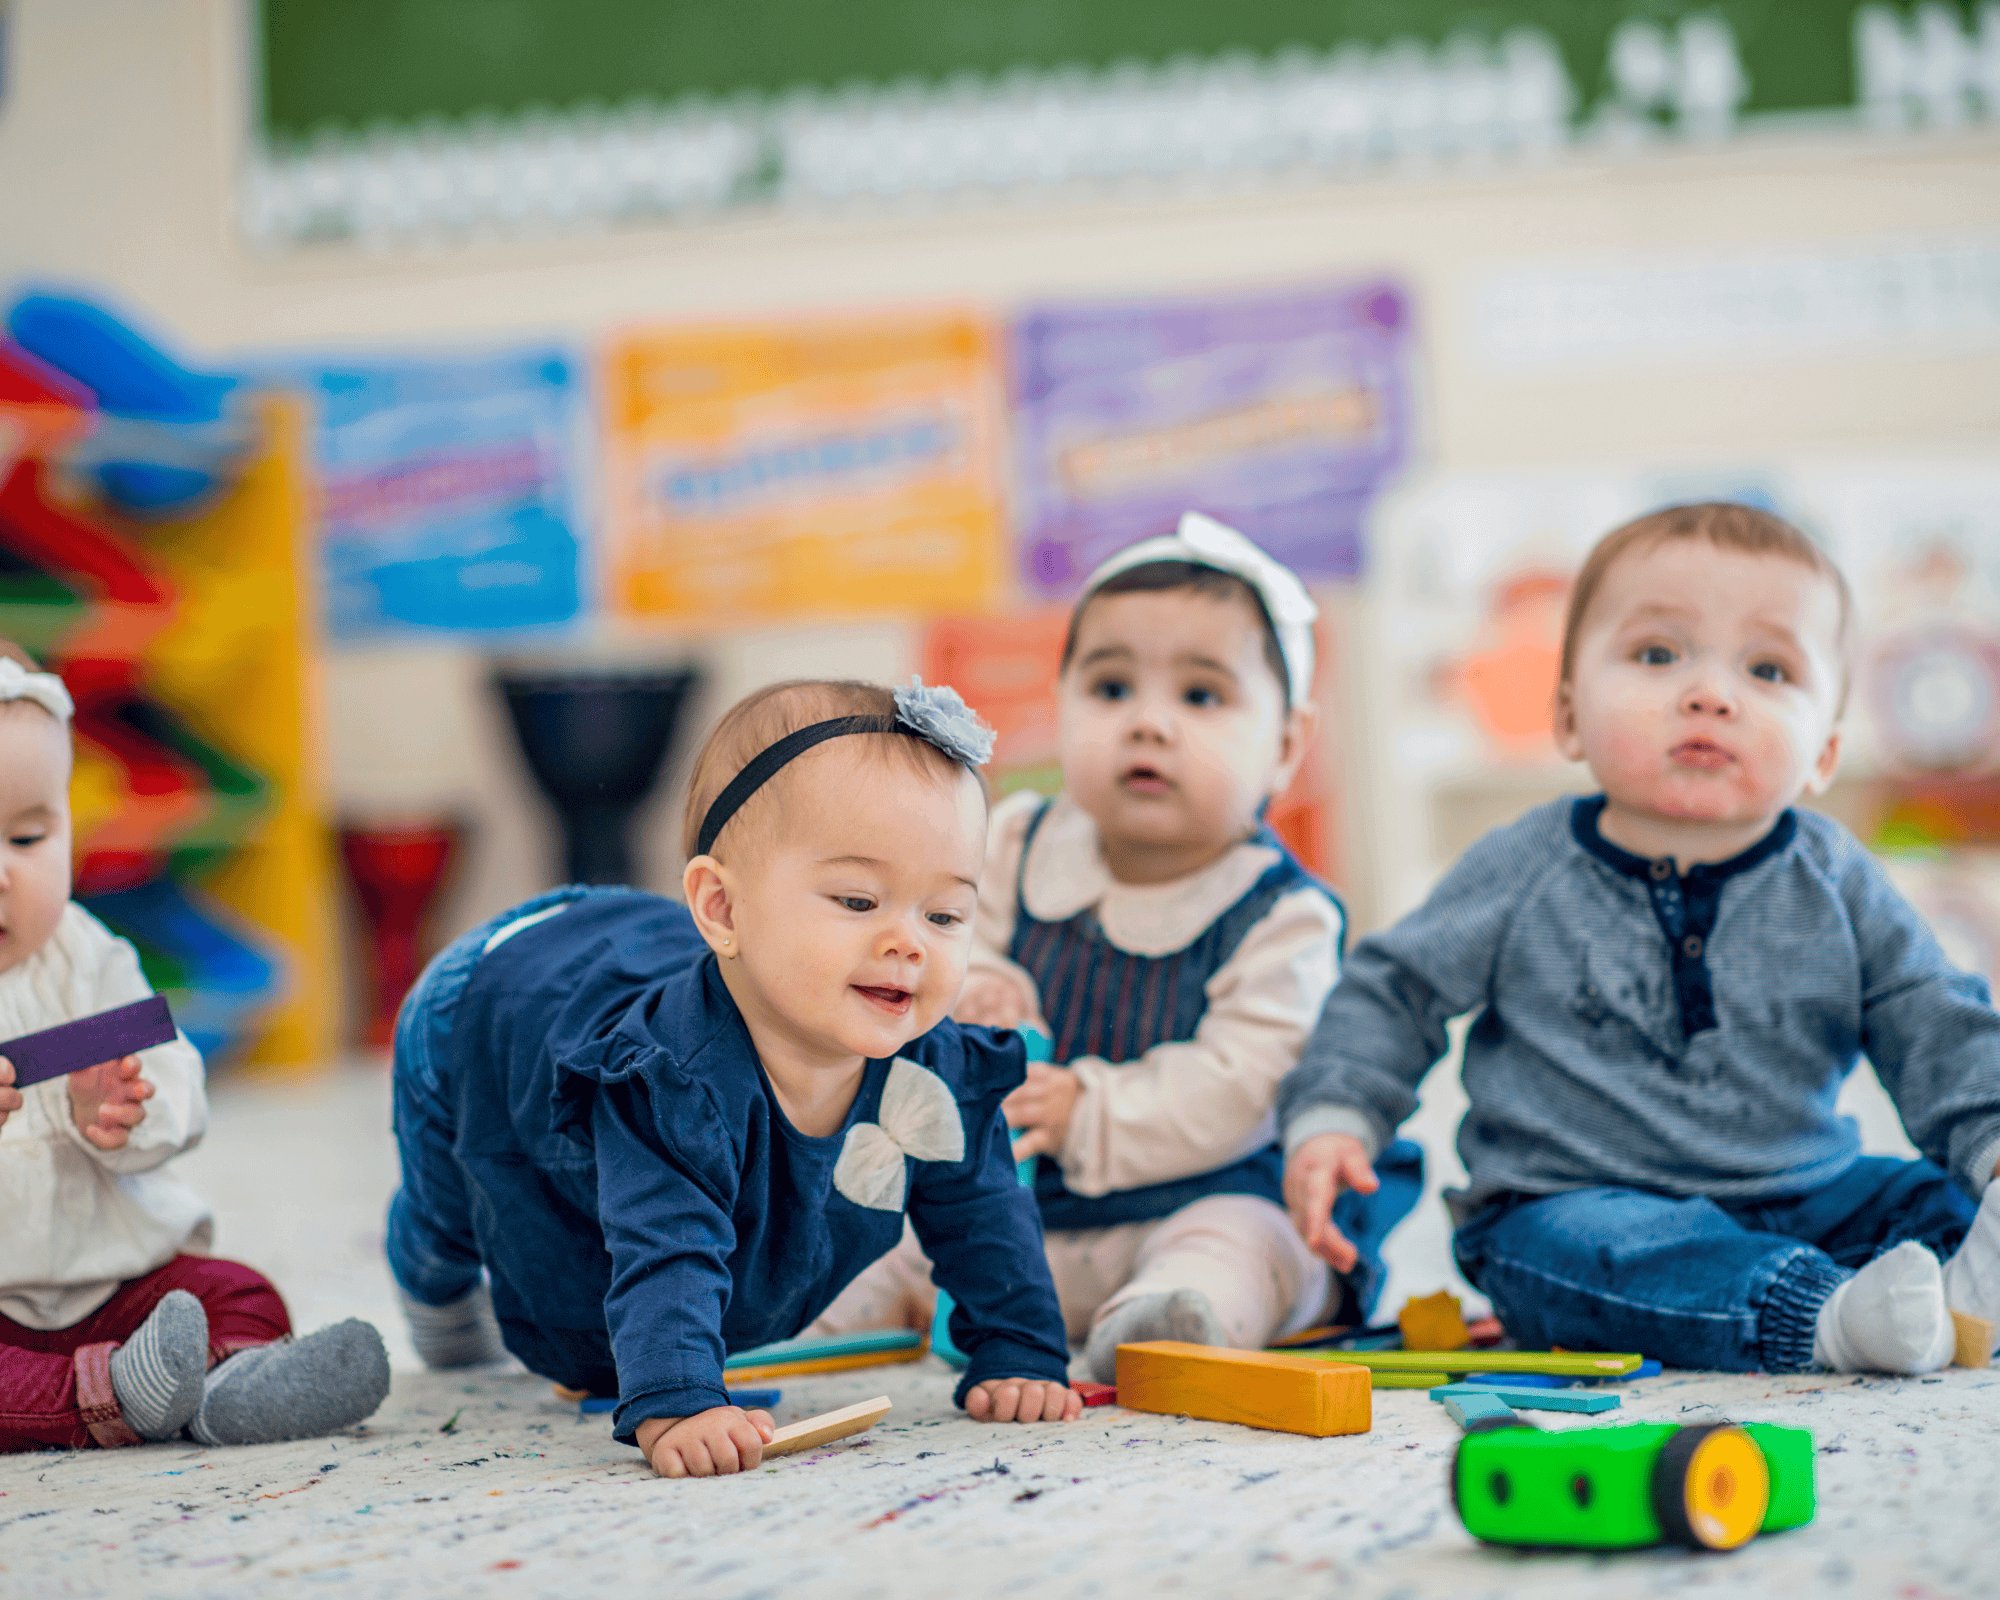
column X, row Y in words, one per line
column 1974, row 1346
column 1434, row 1322
column 1258, row 1388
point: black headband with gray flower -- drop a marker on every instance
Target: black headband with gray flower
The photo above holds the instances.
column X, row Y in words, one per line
column 935, row 715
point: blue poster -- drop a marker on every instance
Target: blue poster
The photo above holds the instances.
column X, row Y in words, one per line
column 447, row 490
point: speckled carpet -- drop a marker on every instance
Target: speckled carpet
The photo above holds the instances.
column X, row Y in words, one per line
column 489, row 1485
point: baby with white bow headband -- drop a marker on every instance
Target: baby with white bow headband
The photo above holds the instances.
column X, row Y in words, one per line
column 638, row 1135
column 116, row 1325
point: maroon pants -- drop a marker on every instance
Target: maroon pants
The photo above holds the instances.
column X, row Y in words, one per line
column 55, row 1384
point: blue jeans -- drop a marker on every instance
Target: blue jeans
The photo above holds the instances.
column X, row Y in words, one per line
column 442, row 1234
column 1730, row 1285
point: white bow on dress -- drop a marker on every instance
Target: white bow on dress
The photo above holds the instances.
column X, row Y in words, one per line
column 919, row 1118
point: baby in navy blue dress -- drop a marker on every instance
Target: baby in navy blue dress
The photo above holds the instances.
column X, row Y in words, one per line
column 637, row 1135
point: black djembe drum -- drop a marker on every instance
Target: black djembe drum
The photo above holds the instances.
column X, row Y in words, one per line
column 595, row 743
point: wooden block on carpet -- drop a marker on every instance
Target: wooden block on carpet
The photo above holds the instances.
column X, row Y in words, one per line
column 1257, row 1388
column 1469, row 1407
column 827, row 1427
column 1975, row 1340
column 1587, row 1401
column 1434, row 1322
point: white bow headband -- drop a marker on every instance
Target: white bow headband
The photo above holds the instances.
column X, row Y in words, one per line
column 45, row 689
column 1204, row 542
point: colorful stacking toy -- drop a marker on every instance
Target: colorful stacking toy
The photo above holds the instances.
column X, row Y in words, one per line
column 151, row 522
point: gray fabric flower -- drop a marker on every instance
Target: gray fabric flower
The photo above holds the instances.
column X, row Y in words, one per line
column 938, row 716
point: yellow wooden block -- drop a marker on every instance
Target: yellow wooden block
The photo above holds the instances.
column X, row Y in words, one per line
column 1434, row 1322
column 1975, row 1340
column 1258, row 1388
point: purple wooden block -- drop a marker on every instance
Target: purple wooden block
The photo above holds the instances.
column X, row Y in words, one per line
column 121, row 1031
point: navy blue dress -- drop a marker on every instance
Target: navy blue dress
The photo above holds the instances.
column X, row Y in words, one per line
column 581, row 1112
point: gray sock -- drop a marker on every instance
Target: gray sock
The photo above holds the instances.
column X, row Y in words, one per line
column 295, row 1389
column 157, row 1373
column 461, row 1334
column 1185, row 1314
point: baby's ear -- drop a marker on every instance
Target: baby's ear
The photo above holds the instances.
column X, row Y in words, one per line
column 1565, row 724
column 705, row 885
column 1821, row 778
column 1295, row 740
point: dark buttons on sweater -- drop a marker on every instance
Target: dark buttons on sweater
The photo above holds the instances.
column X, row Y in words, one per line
column 1691, row 946
column 1662, row 870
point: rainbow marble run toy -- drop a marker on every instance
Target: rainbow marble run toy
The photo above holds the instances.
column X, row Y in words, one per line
column 151, row 551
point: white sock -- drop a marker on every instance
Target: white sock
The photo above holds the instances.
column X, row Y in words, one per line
column 1972, row 1276
column 1889, row 1317
column 462, row 1334
column 1186, row 1315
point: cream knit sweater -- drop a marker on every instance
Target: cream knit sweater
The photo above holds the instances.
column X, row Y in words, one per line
column 76, row 1221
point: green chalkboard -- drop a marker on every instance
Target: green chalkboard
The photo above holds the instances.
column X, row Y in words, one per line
column 352, row 62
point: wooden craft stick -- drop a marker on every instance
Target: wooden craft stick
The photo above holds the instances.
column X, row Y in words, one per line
column 801, row 1369
column 889, row 1343
column 827, row 1427
column 89, row 1041
column 1562, row 1363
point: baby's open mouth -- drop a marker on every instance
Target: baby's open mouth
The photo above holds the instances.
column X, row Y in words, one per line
column 893, row 1000
column 1145, row 779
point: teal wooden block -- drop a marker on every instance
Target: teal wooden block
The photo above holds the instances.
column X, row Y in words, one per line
column 1474, row 1405
column 1587, row 1400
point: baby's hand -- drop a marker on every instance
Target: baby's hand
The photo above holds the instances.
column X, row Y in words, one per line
column 10, row 1097
column 710, row 1443
column 993, row 1000
column 1314, row 1177
column 1041, row 1109
column 108, row 1101
column 1022, row 1400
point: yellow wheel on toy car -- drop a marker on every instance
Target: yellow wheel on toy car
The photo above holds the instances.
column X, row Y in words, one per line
column 1711, row 1488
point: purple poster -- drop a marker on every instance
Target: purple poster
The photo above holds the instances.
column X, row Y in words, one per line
column 1281, row 413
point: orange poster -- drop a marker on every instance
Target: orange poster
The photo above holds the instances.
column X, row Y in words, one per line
column 839, row 467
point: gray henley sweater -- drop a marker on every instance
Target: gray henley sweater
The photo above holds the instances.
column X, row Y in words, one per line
column 1643, row 1028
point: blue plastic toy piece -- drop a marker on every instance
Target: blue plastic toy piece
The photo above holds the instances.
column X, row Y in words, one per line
column 1039, row 1048
column 170, row 437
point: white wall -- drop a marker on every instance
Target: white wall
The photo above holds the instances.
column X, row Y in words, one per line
column 118, row 142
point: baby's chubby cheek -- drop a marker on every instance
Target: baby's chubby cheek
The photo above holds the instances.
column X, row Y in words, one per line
column 1624, row 758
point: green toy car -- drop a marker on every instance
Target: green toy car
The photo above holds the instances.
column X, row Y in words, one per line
column 1712, row 1487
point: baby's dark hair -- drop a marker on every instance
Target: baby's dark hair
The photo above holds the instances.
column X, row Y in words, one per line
column 1158, row 577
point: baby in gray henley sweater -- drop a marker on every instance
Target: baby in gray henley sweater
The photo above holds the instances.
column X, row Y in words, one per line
column 1670, row 980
